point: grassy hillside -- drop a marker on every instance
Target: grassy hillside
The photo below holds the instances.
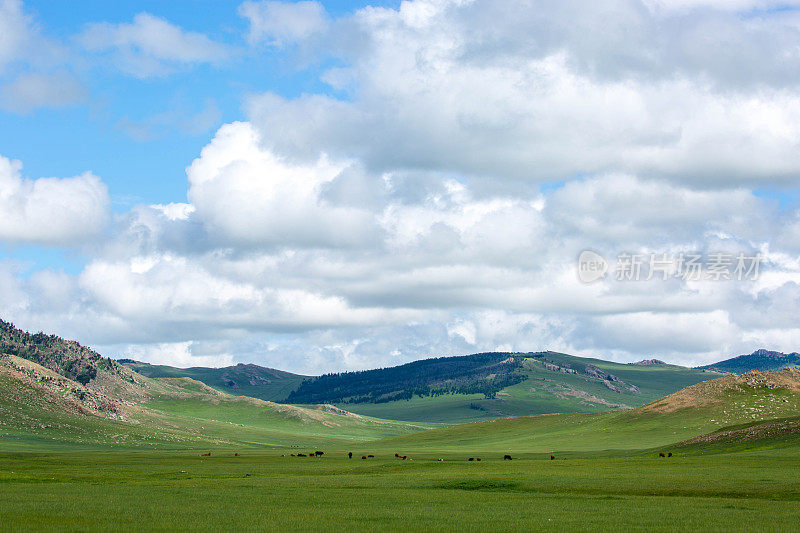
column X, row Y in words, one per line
column 44, row 406
column 453, row 390
column 545, row 382
column 703, row 408
column 761, row 360
column 240, row 380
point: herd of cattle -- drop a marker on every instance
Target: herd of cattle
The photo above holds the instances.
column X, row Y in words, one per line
column 318, row 453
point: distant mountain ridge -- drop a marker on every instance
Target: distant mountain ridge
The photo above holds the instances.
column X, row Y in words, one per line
column 459, row 388
column 437, row 390
column 240, row 380
column 761, row 360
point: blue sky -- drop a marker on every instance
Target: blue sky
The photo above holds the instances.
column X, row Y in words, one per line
column 90, row 135
column 339, row 185
column 65, row 142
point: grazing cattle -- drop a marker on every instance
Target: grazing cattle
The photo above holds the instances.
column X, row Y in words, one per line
column 397, row 454
column 661, row 454
column 349, row 455
column 403, row 457
column 552, row 457
column 364, row 457
column 506, row 457
column 205, row 454
column 440, row 459
column 236, row 455
column 669, row 454
column 370, row 456
column 301, row 455
column 471, row 459
column 293, row 455
column 478, row 459
column 319, row 453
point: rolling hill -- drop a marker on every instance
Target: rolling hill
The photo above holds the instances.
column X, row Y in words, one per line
column 239, row 380
column 459, row 389
column 761, row 360
column 46, row 406
column 715, row 407
column 508, row 384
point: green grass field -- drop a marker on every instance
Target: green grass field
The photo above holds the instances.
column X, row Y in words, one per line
column 756, row 490
column 140, row 466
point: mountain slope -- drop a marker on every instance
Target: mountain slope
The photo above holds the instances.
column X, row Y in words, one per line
column 497, row 385
column 240, row 380
column 761, row 360
column 696, row 410
column 45, row 406
column 458, row 389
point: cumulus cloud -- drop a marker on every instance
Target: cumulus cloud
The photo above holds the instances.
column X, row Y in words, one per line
column 152, row 46
column 545, row 92
column 50, row 211
column 283, row 23
column 248, row 194
column 436, row 205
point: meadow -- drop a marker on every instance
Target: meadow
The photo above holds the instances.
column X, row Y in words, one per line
column 86, row 490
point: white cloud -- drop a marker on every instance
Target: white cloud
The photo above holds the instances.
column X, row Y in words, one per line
column 249, row 195
column 50, row 211
column 174, row 354
column 151, row 46
column 281, row 23
column 406, row 219
column 14, row 30
column 33, row 90
column 548, row 91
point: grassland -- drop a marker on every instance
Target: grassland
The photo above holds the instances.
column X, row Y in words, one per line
column 127, row 452
column 752, row 490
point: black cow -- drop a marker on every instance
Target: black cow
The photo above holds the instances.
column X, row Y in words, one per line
column 661, row 454
column 364, row 457
column 669, row 454
column 471, row 459
column 349, row 455
column 319, row 453
column 370, row 456
column 552, row 457
column 506, row 457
